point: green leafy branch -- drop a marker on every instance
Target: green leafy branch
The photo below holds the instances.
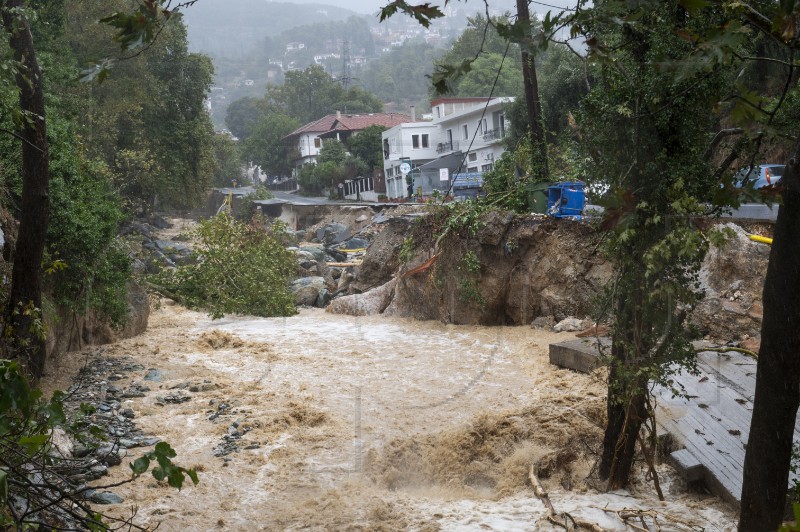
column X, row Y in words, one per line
column 423, row 13
column 34, row 490
column 163, row 454
column 135, row 31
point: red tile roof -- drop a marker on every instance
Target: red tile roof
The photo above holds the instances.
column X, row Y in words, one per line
column 350, row 122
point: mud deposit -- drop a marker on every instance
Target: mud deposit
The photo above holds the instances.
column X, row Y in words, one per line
column 330, row 422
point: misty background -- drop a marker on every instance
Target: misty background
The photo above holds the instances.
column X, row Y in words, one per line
column 254, row 43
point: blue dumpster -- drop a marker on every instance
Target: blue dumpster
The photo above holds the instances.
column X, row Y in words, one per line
column 566, row 200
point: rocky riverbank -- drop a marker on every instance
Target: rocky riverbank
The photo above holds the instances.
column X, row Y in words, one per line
column 325, row 421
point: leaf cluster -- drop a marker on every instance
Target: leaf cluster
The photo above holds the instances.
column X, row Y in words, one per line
column 162, row 455
column 157, row 140
column 82, row 235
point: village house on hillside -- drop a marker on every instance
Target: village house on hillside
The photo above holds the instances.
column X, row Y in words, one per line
column 310, row 138
column 451, row 152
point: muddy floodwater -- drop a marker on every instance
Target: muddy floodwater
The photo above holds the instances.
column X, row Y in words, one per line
column 329, row 422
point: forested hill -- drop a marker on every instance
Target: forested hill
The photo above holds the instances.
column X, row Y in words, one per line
column 222, row 28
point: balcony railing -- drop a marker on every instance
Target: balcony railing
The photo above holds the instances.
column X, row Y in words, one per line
column 443, row 147
column 494, row 134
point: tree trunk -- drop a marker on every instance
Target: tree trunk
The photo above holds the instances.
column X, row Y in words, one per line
column 532, row 103
column 24, row 309
column 626, row 413
column 769, row 445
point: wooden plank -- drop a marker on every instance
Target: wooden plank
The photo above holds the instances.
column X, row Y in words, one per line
column 737, row 370
column 709, row 422
column 687, row 465
column 711, row 425
column 717, row 400
column 722, row 462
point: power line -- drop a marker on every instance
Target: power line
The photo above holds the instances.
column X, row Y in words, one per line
column 480, row 120
column 552, row 6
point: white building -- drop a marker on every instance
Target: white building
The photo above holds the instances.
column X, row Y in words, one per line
column 414, row 142
column 464, row 137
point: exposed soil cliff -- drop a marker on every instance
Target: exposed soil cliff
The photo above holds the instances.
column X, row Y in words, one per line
column 69, row 332
column 514, row 269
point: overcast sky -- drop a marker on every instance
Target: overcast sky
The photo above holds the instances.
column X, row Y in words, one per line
column 372, row 6
column 360, row 6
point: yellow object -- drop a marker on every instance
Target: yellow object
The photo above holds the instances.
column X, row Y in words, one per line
column 762, row 239
column 356, row 250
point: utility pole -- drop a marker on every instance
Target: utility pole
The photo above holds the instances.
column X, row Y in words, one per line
column 345, row 64
column 535, row 125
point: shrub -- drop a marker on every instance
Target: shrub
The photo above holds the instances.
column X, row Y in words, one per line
column 241, row 268
column 260, row 193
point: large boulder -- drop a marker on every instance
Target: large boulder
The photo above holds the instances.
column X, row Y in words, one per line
column 732, row 277
column 308, row 291
column 516, row 269
column 317, row 252
column 333, row 233
column 382, row 258
column 305, row 259
column 369, row 303
column 175, row 252
column 513, row 270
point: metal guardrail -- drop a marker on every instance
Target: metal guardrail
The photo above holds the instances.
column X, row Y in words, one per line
column 443, row 147
column 494, row 134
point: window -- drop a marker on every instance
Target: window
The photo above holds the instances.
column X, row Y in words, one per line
column 450, row 136
column 415, row 141
column 317, row 142
column 465, row 131
column 472, row 157
column 438, row 112
column 472, row 169
column 486, row 167
column 425, row 142
column 393, row 143
column 484, row 129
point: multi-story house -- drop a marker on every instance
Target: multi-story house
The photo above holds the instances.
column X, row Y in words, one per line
column 411, row 142
column 463, row 140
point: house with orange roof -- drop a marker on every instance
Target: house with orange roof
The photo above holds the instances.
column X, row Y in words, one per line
column 310, row 138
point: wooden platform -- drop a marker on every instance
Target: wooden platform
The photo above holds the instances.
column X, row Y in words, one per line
column 708, row 422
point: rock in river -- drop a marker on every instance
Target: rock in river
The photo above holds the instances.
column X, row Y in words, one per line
column 306, row 291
